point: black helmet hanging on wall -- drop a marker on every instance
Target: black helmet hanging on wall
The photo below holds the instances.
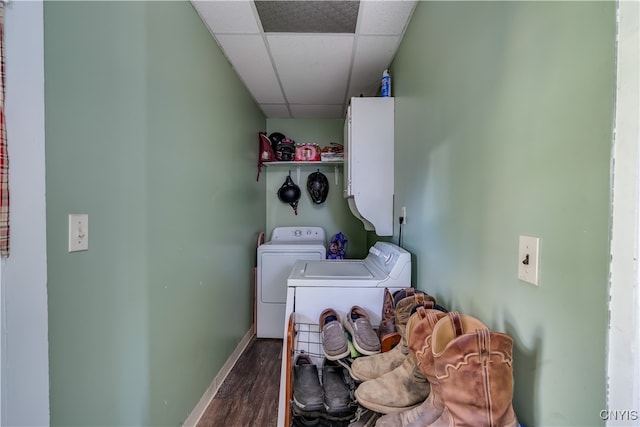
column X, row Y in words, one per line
column 318, row 187
column 289, row 192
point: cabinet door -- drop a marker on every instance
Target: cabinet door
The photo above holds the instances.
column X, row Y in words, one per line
column 368, row 162
column 347, row 154
column 371, row 146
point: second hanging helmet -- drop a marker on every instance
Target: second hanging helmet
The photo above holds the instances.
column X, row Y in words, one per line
column 289, row 192
column 318, row 187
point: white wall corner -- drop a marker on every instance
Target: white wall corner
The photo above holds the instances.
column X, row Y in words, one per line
column 623, row 353
column 25, row 346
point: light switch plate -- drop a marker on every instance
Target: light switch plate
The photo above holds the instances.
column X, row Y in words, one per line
column 78, row 232
column 529, row 259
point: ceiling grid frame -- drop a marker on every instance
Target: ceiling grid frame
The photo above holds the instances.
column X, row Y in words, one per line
column 284, row 87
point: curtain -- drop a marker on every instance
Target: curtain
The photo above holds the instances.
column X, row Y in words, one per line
column 4, row 156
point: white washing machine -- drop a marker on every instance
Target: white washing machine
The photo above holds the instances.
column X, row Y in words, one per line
column 275, row 261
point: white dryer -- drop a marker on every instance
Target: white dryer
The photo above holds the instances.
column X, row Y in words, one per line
column 275, row 261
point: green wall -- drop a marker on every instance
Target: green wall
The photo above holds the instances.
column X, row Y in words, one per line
column 149, row 132
column 334, row 214
column 503, row 127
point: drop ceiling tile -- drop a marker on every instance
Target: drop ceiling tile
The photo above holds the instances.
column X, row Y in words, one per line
column 312, row 67
column 317, row 111
column 228, row 16
column 275, row 111
column 310, row 16
column 373, row 55
column 385, row 17
column 248, row 55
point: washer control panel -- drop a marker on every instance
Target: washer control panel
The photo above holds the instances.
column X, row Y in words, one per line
column 298, row 234
column 390, row 258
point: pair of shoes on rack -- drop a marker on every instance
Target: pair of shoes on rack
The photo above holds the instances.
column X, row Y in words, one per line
column 332, row 396
column 356, row 322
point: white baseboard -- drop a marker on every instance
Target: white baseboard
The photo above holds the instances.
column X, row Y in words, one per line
column 211, row 391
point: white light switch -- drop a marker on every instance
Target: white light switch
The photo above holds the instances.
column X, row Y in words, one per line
column 78, row 232
column 528, row 259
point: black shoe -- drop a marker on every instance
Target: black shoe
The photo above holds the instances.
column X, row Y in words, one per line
column 307, row 391
column 302, row 421
column 337, row 398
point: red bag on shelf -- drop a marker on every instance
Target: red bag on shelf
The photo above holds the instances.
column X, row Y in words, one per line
column 265, row 153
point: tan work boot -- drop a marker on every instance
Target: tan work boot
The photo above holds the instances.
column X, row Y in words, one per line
column 372, row 367
column 433, row 406
column 400, row 389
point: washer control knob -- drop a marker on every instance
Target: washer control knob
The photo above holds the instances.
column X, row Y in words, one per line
column 297, row 233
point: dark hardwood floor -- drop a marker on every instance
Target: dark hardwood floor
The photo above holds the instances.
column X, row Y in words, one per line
column 249, row 395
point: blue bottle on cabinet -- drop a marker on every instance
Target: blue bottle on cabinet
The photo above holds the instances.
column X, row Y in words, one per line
column 386, row 84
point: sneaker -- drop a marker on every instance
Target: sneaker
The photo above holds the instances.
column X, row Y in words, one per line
column 307, row 391
column 337, row 397
column 334, row 342
column 364, row 338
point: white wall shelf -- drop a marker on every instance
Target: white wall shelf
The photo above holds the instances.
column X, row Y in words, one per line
column 335, row 163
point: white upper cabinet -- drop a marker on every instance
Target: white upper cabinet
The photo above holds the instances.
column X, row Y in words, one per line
column 368, row 162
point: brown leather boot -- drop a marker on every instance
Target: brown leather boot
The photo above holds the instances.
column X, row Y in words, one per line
column 387, row 332
column 405, row 300
column 420, row 344
column 387, row 329
column 372, row 367
column 475, row 371
column 402, row 388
